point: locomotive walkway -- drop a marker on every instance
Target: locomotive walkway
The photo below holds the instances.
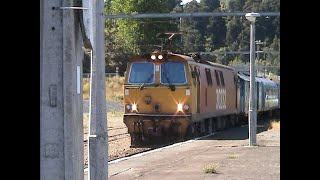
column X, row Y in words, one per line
column 228, row 149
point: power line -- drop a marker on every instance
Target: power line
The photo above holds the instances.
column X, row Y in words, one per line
column 238, row 52
column 176, row 15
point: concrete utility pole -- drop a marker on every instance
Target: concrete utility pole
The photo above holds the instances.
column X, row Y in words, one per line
column 61, row 127
column 98, row 136
column 253, row 96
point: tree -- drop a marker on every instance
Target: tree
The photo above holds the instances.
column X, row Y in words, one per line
column 193, row 40
column 125, row 37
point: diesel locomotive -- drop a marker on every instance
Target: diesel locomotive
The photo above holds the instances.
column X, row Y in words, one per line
column 171, row 96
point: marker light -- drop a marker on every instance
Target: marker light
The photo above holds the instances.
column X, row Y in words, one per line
column 134, row 107
column 128, row 106
column 153, row 57
column 179, row 107
column 186, row 107
column 160, row 57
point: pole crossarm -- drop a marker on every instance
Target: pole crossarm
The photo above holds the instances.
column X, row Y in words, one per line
column 177, row 15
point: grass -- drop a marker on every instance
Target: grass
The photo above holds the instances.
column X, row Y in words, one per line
column 210, row 168
column 85, row 120
column 115, row 114
column 274, row 124
column 232, row 156
column 86, row 89
column 114, row 88
column 109, row 115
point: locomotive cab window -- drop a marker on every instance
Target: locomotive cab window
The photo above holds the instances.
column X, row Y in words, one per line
column 173, row 73
column 141, row 72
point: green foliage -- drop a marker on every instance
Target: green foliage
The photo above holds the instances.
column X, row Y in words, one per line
column 125, row 37
column 237, row 62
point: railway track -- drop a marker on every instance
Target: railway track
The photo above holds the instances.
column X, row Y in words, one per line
column 115, row 128
column 118, row 137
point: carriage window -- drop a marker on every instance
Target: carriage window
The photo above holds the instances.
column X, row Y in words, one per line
column 217, row 77
column 141, row 72
column 209, row 79
column 173, row 73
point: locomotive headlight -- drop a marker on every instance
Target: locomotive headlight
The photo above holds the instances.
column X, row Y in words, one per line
column 131, row 107
column 153, row 57
column 179, row 107
column 186, row 107
column 134, row 107
column 160, row 57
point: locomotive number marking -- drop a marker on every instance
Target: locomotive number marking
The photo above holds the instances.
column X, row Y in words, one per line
column 221, row 99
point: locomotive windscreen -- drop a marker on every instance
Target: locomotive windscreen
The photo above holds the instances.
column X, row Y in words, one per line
column 141, row 72
column 173, row 73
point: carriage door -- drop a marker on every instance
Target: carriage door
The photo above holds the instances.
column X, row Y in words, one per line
column 242, row 96
column 257, row 86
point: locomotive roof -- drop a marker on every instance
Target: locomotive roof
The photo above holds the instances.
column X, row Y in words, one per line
column 192, row 58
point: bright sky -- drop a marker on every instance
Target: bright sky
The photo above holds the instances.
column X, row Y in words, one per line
column 186, row 1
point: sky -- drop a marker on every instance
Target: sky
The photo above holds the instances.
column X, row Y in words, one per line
column 186, row 1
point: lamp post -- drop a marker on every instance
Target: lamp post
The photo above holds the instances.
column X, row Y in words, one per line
column 253, row 98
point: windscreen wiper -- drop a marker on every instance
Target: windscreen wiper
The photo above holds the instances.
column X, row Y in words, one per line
column 143, row 84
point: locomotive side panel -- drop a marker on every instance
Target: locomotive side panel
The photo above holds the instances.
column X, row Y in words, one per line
column 230, row 94
column 217, row 91
column 207, row 98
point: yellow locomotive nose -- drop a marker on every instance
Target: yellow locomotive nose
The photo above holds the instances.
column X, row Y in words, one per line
column 157, row 97
column 154, row 101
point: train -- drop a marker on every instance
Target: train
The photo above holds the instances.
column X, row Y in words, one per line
column 171, row 97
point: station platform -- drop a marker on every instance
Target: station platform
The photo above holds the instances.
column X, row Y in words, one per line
column 228, row 150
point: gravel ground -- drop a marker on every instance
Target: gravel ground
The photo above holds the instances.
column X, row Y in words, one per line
column 118, row 138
